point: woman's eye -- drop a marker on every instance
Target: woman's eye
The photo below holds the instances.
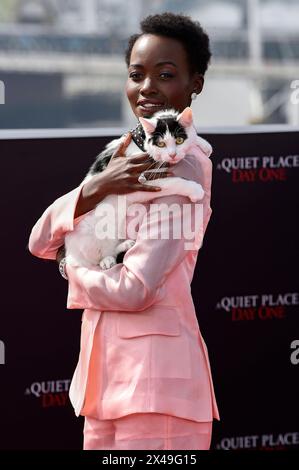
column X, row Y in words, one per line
column 166, row 75
column 161, row 144
column 135, row 75
column 179, row 140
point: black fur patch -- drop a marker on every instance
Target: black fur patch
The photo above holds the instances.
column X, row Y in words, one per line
column 170, row 124
column 101, row 161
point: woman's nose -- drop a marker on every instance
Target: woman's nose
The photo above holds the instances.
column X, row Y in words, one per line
column 148, row 86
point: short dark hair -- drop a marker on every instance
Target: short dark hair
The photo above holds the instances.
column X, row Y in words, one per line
column 180, row 27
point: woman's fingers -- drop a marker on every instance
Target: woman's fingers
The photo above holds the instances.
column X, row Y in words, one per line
column 143, row 157
column 149, row 173
column 140, row 158
column 143, row 163
column 124, row 172
column 159, row 174
column 141, row 167
column 144, row 187
column 164, row 174
column 121, row 150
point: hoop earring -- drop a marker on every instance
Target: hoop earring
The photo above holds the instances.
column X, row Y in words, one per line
column 193, row 96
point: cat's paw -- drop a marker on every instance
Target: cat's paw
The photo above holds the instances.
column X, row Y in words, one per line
column 125, row 246
column 107, row 262
column 197, row 193
column 128, row 244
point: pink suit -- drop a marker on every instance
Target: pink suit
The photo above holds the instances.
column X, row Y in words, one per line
column 140, row 340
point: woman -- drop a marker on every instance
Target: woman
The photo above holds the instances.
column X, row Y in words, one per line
column 143, row 378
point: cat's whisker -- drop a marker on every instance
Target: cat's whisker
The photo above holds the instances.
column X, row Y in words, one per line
column 151, row 165
column 149, row 169
column 158, row 168
column 150, row 174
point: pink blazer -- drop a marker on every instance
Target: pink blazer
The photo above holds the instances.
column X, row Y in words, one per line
column 141, row 347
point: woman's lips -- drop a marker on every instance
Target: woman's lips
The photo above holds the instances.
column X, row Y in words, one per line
column 150, row 106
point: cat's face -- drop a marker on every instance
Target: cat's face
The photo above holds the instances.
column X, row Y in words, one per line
column 168, row 135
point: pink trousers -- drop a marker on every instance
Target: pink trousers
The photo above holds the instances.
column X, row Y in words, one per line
column 146, row 431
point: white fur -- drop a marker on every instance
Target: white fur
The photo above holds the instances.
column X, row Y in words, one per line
column 84, row 248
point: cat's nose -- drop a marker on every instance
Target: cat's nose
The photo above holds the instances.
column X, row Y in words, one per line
column 172, row 155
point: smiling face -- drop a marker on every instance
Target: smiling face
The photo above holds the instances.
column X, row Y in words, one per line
column 159, row 76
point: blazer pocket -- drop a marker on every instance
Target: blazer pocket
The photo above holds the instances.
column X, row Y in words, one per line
column 157, row 320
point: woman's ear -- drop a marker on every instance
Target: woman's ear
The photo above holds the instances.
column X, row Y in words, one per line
column 198, row 82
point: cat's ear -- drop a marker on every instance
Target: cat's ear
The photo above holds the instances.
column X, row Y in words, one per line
column 147, row 125
column 186, row 117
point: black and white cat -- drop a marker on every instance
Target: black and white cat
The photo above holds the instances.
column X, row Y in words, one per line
column 167, row 137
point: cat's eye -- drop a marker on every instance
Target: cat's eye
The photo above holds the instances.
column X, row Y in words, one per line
column 161, row 144
column 179, row 140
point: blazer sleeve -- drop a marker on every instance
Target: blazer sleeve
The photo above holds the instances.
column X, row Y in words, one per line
column 137, row 283
column 47, row 235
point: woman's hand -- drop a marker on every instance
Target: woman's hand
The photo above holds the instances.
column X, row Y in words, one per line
column 121, row 174
column 120, row 177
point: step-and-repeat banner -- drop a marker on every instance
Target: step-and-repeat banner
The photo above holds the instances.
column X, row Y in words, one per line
column 245, row 289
